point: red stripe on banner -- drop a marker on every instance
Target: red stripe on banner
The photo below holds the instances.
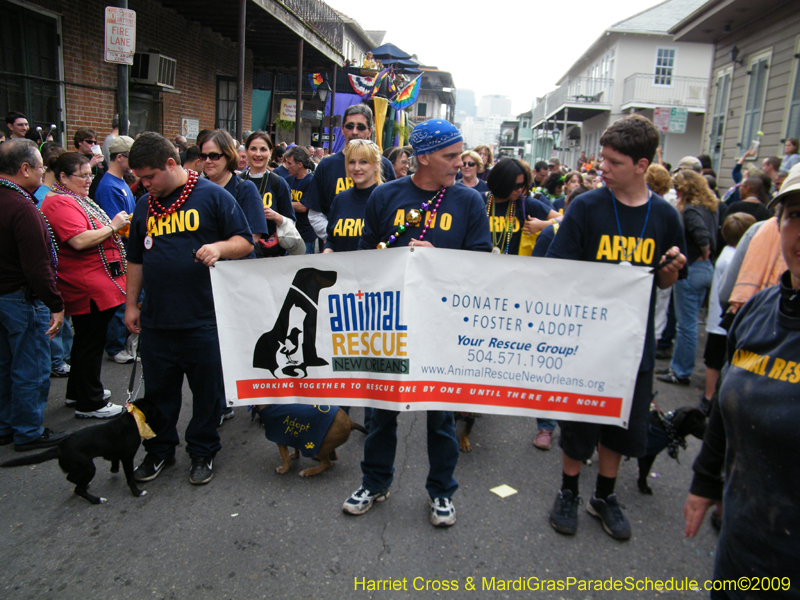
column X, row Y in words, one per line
column 431, row 391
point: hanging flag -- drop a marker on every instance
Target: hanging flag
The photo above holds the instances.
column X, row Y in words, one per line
column 361, row 85
column 377, row 83
column 407, row 96
column 315, row 79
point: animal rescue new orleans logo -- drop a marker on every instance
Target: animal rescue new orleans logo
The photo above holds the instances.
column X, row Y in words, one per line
column 277, row 349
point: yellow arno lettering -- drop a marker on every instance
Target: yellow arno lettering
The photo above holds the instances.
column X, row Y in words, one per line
column 613, row 248
column 357, row 227
column 192, row 219
column 399, row 217
column 348, row 228
column 267, row 200
column 618, row 248
column 297, row 195
column 337, row 231
column 344, row 183
column 177, row 221
column 164, row 225
column 446, row 222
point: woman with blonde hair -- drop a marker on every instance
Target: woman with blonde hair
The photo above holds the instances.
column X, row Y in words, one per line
column 699, row 210
column 471, row 167
column 362, row 159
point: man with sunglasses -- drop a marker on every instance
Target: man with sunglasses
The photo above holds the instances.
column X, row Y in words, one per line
column 85, row 141
column 330, row 176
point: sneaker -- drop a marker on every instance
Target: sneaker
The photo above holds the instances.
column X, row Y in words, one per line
column 443, row 513
column 107, row 412
column 662, row 370
column 226, row 415
column 46, row 440
column 664, row 353
column 202, row 470
column 151, row 466
column 609, row 511
column 62, row 371
column 122, row 357
column 543, row 439
column 106, row 397
column 705, row 405
column 564, row 516
column 361, row 501
column 672, row 378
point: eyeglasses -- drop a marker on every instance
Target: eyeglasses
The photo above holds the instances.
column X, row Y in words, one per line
column 212, row 155
column 519, row 186
column 41, row 168
column 90, row 142
column 469, row 164
column 360, row 126
column 123, row 154
column 89, row 177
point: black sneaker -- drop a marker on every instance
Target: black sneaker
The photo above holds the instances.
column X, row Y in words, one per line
column 151, row 466
column 46, row 440
column 564, row 516
column 202, row 470
column 609, row 511
column 672, row 378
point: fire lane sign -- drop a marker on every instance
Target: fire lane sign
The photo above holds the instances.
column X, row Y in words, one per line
column 120, row 37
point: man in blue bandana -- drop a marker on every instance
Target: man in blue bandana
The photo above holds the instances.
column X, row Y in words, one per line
column 459, row 222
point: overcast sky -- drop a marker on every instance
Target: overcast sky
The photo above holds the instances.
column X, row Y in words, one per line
column 514, row 48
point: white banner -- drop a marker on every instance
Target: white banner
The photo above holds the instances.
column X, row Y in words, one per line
column 434, row 329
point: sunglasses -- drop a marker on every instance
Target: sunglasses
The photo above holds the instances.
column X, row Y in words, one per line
column 519, row 186
column 212, row 155
column 469, row 164
column 360, row 126
column 91, row 142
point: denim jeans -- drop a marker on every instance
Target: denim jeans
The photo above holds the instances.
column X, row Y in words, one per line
column 61, row 346
column 24, row 366
column 546, row 424
column 380, row 448
column 688, row 295
column 117, row 333
column 168, row 355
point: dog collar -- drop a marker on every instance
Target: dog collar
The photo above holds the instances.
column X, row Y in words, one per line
column 141, row 423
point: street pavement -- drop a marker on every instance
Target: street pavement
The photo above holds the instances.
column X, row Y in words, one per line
column 251, row 533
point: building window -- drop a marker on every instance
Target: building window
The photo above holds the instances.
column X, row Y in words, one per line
column 227, row 97
column 422, row 109
column 665, row 63
column 722, row 94
column 29, row 82
column 793, row 122
column 754, row 100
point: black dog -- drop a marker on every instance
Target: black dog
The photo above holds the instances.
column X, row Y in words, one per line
column 669, row 431
column 116, row 440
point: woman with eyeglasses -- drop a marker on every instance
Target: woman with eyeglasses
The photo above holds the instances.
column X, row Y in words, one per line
column 273, row 190
column 91, row 278
column 511, row 213
column 401, row 160
column 362, row 159
column 220, row 161
column 471, row 166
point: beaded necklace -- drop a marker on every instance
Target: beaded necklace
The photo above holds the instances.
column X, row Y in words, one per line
column 629, row 255
column 414, row 216
column 96, row 214
column 53, row 245
column 158, row 210
column 505, row 237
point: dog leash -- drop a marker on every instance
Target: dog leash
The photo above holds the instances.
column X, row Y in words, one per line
column 131, row 394
column 675, row 442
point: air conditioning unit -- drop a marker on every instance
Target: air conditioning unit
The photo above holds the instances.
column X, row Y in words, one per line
column 151, row 68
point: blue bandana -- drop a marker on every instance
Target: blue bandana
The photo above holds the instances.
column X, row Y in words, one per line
column 433, row 135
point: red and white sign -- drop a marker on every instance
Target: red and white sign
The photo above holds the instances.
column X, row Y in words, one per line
column 434, row 329
column 120, row 38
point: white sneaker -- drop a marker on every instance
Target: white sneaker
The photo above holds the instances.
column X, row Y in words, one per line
column 122, row 357
column 106, row 397
column 443, row 513
column 108, row 411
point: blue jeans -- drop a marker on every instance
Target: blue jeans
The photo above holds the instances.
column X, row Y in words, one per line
column 310, row 247
column 168, row 355
column 546, row 424
column 381, row 445
column 688, row 295
column 61, row 346
column 24, row 366
column 117, row 333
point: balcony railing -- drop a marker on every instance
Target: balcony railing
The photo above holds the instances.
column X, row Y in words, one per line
column 321, row 17
column 577, row 90
column 641, row 88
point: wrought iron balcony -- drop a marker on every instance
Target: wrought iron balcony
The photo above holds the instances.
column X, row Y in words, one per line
column 645, row 89
column 321, row 17
column 581, row 92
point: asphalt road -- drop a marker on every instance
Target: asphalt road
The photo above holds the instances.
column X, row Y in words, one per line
column 251, row 533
